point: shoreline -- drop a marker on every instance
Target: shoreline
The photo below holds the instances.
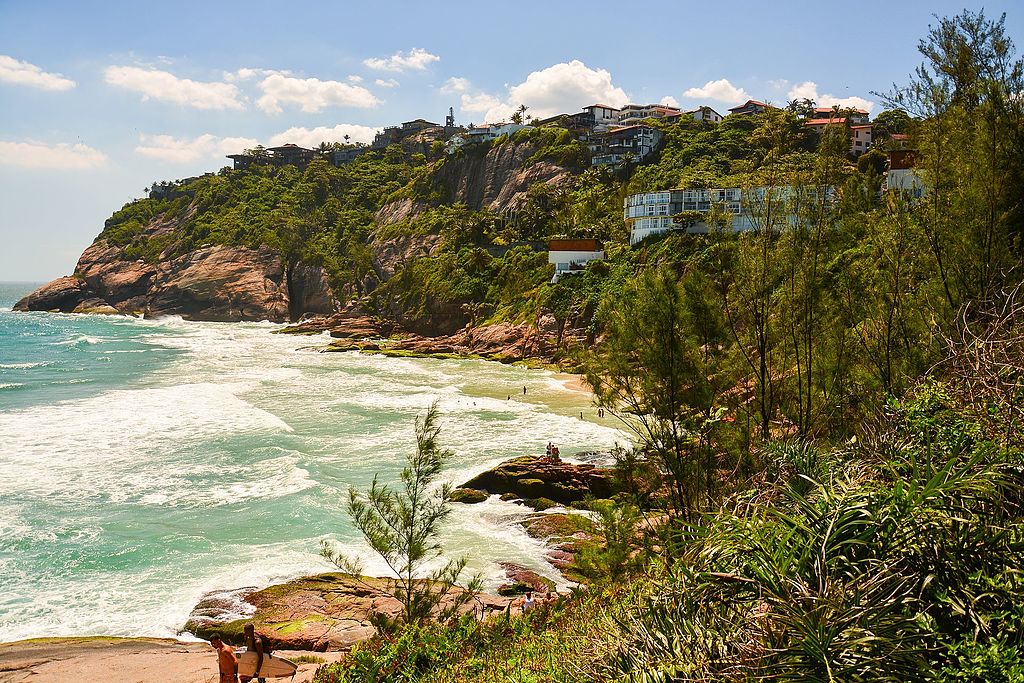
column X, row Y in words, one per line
column 564, row 381
column 107, row 659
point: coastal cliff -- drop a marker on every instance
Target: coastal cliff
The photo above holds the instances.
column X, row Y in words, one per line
column 376, row 237
column 216, row 283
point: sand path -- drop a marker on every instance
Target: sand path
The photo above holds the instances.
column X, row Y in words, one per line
column 121, row 660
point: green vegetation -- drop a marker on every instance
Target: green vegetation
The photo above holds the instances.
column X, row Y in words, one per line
column 402, row 526
column 826, row 481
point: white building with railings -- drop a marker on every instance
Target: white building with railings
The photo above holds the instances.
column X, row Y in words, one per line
column 739, row 209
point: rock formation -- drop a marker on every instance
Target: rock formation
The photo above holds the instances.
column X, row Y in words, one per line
column 531, row 477
column 220, row 283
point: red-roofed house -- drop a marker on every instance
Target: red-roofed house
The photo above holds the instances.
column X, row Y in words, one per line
column 749, row 107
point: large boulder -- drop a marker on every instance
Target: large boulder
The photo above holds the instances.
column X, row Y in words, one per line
column 536, row 477
column 323, row 612
column 63, row 294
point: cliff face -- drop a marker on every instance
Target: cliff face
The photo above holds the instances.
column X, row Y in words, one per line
column 218, row 283
column 494, row 181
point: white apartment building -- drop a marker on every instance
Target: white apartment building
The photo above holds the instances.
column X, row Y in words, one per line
column 652, row 213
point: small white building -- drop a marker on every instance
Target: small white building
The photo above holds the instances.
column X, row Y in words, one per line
column 572, row 256
column 705, row 113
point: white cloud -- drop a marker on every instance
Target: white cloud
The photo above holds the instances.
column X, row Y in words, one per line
column 166, row 87
column 566, row 87
column 720, row 91
column 182, row 150
column 355, row 79
column 560, row 88
column 455, row 85
column 311, row 137
column 417, row 59
column 23, row 73
column 389, row 83
column 809, row 90
column 670, row 101
column 41, row 155
column 311, row 94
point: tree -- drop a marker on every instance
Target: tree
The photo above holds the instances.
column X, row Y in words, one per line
column 658, row 370
column 888, row 123
column 403, row 526
column 520, row 114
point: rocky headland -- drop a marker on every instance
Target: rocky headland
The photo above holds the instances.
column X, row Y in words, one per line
column 333, row 611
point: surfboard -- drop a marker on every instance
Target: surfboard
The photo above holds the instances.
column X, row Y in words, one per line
column 273, row 666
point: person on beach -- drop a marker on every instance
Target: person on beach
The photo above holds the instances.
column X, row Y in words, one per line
column 548, row 449
column 528, row 603
column 255, row 642
column 227, row 663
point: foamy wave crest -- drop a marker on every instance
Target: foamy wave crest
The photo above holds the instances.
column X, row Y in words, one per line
column 22, row 366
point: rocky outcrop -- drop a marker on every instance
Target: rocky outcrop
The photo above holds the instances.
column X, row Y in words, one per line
column 522, row 579
column 222, row 283
column 309, row 291
column 530, row 477
column 324, row 612
column 495, row 180
column 63, row 294
column 503, row 342
column 389, row 253
column 218, row 283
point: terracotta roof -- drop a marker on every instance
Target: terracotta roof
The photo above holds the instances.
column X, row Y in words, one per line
column 748, row 103
column 825, row 110
column 574, row 245
column 822, row 122
column 862, row 126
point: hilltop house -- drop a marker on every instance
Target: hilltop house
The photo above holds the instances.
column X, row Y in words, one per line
column 572, row 256
column 289, row 154
column 856, row 119
column 340, row 157
column 613, row 147
column 749, row 107
column 635, row 113
column 653, row 213
column 604, row 116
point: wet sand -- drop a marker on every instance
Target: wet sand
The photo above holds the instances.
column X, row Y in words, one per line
column 117, row 660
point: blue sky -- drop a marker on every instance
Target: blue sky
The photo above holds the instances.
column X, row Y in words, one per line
column 97, row 100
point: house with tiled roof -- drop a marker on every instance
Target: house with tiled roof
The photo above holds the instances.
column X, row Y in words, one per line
column 749, row 107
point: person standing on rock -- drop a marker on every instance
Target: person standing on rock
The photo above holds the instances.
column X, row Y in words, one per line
column 227, row 663
column 256, row 642
column 528, row 603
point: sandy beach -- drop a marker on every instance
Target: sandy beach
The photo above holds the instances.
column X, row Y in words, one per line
column 121, row 660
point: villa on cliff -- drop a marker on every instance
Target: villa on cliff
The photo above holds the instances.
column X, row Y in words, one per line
column 732, row 208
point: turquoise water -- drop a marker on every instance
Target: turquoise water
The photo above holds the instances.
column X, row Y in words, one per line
column 144, row 463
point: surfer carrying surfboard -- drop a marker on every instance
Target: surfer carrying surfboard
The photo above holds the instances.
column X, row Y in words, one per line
column 256, row 642
column 227, row 663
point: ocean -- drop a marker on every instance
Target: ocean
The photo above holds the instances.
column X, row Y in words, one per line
column 144, row 463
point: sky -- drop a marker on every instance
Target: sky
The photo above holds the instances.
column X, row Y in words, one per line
column 100, row 99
